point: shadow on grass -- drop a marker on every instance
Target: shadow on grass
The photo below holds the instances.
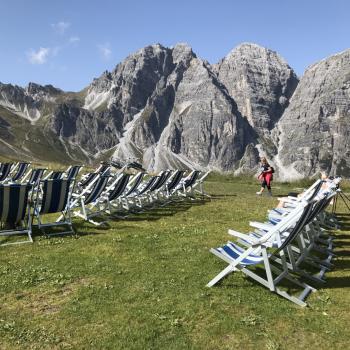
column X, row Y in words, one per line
column 337, row 282
column 156, row 213
column 85, row 228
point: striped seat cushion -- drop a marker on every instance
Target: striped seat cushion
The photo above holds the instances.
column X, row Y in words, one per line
column 55, row 195
column 13, row 202
column 233, row 252
column 98, row 188
column 119, row 187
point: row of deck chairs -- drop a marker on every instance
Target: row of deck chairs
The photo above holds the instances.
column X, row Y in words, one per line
column 291, row 249
column 102, row 194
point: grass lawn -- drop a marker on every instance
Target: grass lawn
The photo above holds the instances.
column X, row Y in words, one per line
column 141, row 284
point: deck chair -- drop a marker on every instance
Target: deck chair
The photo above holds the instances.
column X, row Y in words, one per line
column 134, row 185
column 89, row 179
column 174, row 181
column 15, row 215
column 113, row 194
column 157, row 191
column 55, row 175
column 34, row 176
column 184, row 187
column 198, row 185
column 85, row 201
column 257, row 254
column 160, row 185
column 109, row 199
column 5, row 170
column 20, row 171
column 55, row 198
column 301, row 243
column 72, row 172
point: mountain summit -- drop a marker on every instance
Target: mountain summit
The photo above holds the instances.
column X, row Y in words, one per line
column 169, row 108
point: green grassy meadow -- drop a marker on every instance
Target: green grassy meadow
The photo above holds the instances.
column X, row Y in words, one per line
column 140, row 284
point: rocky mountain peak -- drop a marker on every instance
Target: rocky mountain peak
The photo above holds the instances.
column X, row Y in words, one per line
column 313, row 133
column 260, row 82
column 170, row 109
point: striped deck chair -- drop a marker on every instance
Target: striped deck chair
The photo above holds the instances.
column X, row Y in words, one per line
column 135, row 165
column 85, row 201
column 199, row 183
column 55, row 175
column 115, row 193
column 107, row 201
column 140, row 194
column 161, row 182
column 186, row 184
column 35, row 176
column 55, row 198
column 159, row 186
column 301, row 243
column 174, row 182
column 258, row 254
column 134, row 185
column 72, row 172
column 5, row 170
column 15, row 216
column 20, row 171
column 88, row 179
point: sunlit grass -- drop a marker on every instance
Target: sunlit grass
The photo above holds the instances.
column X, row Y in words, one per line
column 140, row 284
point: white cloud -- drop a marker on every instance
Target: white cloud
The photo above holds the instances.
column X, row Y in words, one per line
column 105, row 50
column 60, row 27
column 74, row 39
column 40, row 56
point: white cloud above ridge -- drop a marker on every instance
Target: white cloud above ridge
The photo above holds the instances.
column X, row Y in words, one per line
column 39, row 56
column 73, row 39
column 105, row 50
column 60, row 27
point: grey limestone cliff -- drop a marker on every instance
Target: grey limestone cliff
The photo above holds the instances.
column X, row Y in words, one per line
column 168, row 108
column 313, row 134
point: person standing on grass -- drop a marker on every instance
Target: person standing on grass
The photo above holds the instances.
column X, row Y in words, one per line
column 265, row 176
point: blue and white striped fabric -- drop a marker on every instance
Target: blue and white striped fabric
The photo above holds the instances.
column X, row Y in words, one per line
column 136, row 184
column 21, row 169
column 96, row 191
column 5, row 170
column 36, row 176
column 148, row 185
column 55, row 195
column 161, row 181
column 190, row 182
column 119, row 187
column 175, row 180
column 13, row 202
column 73, row 171
column 88, row 180
column 56, row 175
column 233, row 251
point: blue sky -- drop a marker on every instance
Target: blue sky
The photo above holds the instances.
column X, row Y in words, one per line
column 67, row 43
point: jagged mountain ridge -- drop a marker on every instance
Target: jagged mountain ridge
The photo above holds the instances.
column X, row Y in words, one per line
column 167, row 108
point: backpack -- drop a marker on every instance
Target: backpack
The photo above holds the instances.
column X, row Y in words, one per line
column 272, row 169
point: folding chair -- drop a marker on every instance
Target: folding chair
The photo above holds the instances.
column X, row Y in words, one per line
column 55, row 197
column 134, row 185
column 257, row 254
column 72, row 172
column 35, row 176
column 15, row 216
column 5, row 170
column 85, row 201
column 20, row 171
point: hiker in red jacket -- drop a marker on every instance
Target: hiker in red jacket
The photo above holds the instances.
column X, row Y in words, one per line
column 265, row 176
